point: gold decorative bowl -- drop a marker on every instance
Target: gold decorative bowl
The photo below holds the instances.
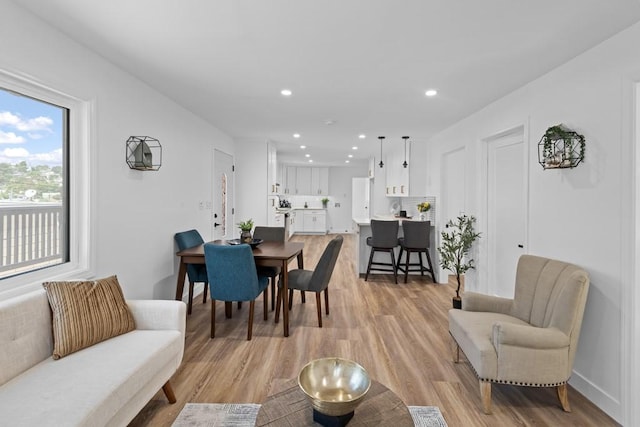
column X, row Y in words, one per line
column 334, row 386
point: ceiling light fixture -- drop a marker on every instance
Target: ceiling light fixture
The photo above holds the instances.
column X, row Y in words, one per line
column 350, row 156
column 405, row 164
column 296, row 135
column 346, row 161
column 310, row 161
column 303, row 147
column 286, row 92
column 431, row 92
column 381, row 164
column 362, row 136
column 354, row 148
column 307, row 155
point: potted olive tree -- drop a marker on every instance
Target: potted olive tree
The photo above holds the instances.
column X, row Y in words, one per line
column 456, row 242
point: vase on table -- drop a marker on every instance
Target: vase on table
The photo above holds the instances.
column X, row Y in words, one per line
column 246, row 237
column 423, row 216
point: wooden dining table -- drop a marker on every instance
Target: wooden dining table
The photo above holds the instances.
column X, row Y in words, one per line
column 271, row 254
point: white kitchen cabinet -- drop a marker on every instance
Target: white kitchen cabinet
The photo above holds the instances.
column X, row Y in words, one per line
column 292, row 223
column 319, row 181
column 397, row 176
column 303, row 181
column 314, row 221
column 290, row 180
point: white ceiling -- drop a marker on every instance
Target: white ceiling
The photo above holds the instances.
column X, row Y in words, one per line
column 365, row 64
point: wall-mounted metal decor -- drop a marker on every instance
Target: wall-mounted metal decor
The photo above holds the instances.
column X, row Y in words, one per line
column 144, row 153
column 560, row 148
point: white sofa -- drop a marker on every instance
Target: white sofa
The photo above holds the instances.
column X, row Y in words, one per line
column 106, row 384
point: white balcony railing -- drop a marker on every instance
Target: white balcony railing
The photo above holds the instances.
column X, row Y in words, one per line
column 30, row 237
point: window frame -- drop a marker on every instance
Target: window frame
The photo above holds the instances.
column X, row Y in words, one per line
column 80, row 164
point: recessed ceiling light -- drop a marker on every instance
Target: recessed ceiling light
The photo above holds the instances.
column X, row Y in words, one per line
column 286, row 92
column 296, row 135
column 431, row 92
column 307, row 155
column 350, row 155
column 346, row 161
column 354, row 148
column 310, row 161
column 362, row 136
column 303, row 146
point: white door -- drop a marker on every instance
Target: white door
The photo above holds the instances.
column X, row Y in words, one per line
column 506, row 208
column 222, row 196
column 360, row 198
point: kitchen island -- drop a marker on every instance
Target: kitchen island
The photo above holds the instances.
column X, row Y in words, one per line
column 362, row 227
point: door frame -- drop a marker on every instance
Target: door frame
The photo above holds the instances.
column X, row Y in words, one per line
column 521, row 130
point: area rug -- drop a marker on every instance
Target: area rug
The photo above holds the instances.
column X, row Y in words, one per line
column 245, row 414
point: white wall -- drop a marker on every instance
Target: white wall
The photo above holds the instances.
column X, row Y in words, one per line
column 576, row 215
column 134, row 214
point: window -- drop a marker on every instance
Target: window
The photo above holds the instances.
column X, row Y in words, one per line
column 34, row 212
column 44, row 185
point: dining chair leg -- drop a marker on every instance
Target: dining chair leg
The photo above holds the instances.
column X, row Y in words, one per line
column 213, row 318
column 421, row 264
column 273, row 293
column 319, row 308
column 252, row 306
column 204, row 293
column 239, row 305
column 290, row 298
column 433, row 275
column 265, row 304
column 326, row 300
column 302, row 297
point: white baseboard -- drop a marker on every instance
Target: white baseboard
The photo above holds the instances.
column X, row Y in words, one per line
column 599, row 397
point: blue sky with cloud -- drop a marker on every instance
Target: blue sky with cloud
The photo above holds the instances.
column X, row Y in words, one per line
column 30, row 131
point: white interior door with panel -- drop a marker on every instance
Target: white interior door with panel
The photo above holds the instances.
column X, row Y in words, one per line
column 506, row 211
column 222, row 221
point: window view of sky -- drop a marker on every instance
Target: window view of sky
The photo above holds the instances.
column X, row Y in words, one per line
column 30, row 131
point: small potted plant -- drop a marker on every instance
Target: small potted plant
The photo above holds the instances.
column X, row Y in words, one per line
column 454, row 248
column 245, row 228
column 324, row 202
column 423, row 208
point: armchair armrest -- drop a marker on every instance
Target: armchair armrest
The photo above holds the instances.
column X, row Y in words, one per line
column 472, row 301
column 159, row 314
column 528, row 336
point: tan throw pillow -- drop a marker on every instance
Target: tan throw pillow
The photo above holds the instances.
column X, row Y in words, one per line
column 85, row 313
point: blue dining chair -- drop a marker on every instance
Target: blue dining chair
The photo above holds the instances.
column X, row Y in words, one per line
column 196, row 273
column 233, row 277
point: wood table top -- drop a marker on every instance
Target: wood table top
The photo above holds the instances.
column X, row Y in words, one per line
column 271, row 250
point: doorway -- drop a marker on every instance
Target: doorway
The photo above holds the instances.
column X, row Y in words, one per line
column 506, row 208
column 223, row 210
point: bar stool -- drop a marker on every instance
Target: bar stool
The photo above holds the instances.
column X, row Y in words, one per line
column 384, row 238
column 415, row 240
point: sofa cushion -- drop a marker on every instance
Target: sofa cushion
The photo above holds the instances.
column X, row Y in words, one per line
column 86, row 313
column 91, row 386
column 25, row 333
column 473, row 331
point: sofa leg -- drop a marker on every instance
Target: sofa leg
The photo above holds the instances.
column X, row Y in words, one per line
column 563, row 396
column 168, row 391
column 455, row 348
column 485, row 394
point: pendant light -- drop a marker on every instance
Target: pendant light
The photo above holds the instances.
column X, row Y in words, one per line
column 405, row 164
column 381, row 164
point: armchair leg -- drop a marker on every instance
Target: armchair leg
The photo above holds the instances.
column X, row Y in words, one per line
column 563, row 396
column 168, row 391
column 485, row 395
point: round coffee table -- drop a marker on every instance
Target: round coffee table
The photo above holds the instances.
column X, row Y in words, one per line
column 291, row 407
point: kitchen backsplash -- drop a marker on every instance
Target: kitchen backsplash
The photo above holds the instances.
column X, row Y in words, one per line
column 410, row 204
column 313, row 202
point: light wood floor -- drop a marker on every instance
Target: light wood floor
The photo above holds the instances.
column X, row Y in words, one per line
column 399, row 333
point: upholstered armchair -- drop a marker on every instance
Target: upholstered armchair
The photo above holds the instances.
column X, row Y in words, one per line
column 530, row 340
